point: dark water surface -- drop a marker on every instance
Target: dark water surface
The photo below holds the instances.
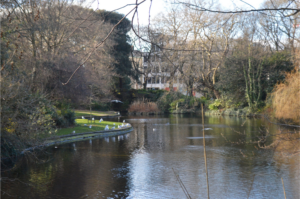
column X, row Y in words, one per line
column 139, row 164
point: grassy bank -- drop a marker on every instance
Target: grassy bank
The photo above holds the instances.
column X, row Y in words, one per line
column 80, row 128
column 86, row 113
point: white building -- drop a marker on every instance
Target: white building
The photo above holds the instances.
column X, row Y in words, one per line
column 153, row 66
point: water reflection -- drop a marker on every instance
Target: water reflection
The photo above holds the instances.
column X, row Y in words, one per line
column 206, row 137
column 139, row 164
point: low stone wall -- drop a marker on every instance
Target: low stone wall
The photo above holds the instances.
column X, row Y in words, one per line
column 145, row 113
column 232, row 112
column 183, row 111
column 80, row 137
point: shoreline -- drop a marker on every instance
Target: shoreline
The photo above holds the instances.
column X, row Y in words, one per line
column 87, row 135
column 79, row 137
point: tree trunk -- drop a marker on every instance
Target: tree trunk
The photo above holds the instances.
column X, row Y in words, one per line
column 217, row 94
column 145, row 82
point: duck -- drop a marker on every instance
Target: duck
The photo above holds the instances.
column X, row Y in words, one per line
column 208, row 129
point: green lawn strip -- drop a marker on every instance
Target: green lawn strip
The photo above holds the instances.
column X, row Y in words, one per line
column 80, row 128
column 79, row 113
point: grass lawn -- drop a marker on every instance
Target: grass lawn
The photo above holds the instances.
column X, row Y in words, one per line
column 80, row 128
column 79, row 113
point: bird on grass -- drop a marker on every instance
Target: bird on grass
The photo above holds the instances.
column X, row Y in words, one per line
column 73, row 132
column 90, row 126
column 106, row 127
column 101, row 120
column 82, row 117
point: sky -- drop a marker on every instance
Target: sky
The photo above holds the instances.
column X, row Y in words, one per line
column 158, row 6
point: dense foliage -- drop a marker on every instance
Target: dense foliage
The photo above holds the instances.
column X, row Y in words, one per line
column 26, row 116
column 42, row 43
column 246, row 81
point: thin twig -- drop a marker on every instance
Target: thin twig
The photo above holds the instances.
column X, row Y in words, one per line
column 250, row 187
column 205, row 152
column 199, row 8
column 283, row 188
column 182, row 185
column 99, row 44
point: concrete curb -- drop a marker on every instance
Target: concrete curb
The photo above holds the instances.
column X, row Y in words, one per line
column 80, row 137
column 86, row 136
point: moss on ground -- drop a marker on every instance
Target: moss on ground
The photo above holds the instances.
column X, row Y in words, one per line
column 86, row 113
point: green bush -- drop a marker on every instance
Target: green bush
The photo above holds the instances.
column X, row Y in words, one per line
column 151, row 95
column 215, row 105
column 63, row 115
column 166, row 99
column 100, row 106
column 173, row 104
column 186, row 102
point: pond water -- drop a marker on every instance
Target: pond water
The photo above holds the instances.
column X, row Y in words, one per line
column 140, row 164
